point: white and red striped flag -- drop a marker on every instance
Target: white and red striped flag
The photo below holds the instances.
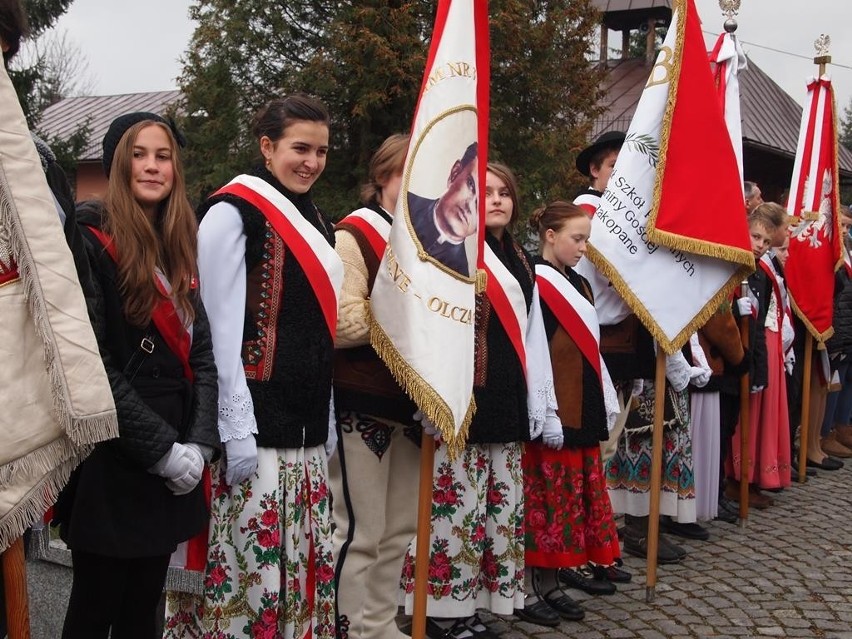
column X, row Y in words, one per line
column 814, row 202
column 670, row 233
column 423, row 299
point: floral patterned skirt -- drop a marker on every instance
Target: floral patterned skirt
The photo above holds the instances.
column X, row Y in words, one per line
column 270, row 569
column 477, row 538
column 568, row 516
column 628, row 474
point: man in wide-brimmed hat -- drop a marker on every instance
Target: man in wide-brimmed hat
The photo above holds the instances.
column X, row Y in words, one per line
column 596, row 162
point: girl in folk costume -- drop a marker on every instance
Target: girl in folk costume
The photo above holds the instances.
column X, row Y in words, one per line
column 836, row 432
column 271, row 280
column 769, row 444
column 136, row 498
column 477, row 539
column 569, row 520
column 374, row 475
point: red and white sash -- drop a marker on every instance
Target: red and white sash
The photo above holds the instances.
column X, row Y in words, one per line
column 374, row 227
column 191, row 554
column 164, row 316
column 507, row 298
column 589, row 202
column 573, row 311
column 318, row 260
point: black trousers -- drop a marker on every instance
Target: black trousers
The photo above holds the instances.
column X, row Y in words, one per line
column 729, row 415
column 121, row 595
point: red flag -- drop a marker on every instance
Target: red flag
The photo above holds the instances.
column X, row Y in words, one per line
column 814, row 202
column 670, row 233
column 698, row 147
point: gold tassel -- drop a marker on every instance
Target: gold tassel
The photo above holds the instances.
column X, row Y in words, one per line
column 481, row 280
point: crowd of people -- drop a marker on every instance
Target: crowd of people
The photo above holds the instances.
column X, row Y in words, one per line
column 266, row 464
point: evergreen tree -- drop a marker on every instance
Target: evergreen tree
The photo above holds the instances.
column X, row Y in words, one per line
column 365, row 60
column 34, row 82
column 846, row 127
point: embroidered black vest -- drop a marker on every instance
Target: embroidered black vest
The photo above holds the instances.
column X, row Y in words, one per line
column 500, row 387
column 287, row 350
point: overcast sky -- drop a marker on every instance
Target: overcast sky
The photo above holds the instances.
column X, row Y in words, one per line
column 134, row 45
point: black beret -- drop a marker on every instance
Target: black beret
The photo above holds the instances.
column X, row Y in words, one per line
column 120, row 126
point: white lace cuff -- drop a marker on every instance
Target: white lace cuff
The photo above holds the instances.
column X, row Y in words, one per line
column 236, row 416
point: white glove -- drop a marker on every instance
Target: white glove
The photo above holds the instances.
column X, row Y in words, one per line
column 187, row 483
column 677, row 371
column 240, row 459
column 638, row 387
column 790, row 361
column 428, row 426
column 552, row 435
column 699, row 376
column 757, row 389
column 744, row 306
column 180, row 466
column 788, row 333
column 331, row 442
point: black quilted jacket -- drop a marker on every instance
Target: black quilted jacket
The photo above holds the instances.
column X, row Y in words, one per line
column 113, row 505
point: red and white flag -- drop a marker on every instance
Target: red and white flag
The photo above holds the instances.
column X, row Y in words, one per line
column 423, row 299
column 670, row 232
column 728, row 59
column 814, row 202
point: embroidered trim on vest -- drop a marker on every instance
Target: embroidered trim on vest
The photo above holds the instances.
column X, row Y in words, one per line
column 259, row 354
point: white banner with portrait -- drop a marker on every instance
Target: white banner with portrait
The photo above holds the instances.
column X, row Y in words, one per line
column 423, row 299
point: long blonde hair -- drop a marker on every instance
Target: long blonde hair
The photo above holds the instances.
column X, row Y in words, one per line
column 170, row 243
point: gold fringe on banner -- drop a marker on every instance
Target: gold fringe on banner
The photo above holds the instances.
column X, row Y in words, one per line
column 706, row 312
column 819, row 337
column 427, row 398
column 665, row 238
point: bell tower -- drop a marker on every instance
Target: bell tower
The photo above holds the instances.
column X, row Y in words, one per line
column 630, row 16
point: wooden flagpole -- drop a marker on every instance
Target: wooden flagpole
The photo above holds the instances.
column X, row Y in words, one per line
column 806, row 407
column 745, row 419
column 422, row 550
column 15, row 583
column 656, row 475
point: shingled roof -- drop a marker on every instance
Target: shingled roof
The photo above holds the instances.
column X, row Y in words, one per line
column 770, row 117
column 63, row 119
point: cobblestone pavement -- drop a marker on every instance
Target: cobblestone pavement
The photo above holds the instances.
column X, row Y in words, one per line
column 787, row 574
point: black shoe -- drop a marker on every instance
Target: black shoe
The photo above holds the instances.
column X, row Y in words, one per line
column 809, row 472
column 539, row 613
column 667, row 553
column 688, row 531
column 611, row 573
column 564, row 606
column 582, row 579
column 728, row 516
column 828, row 463
column 456, row 630
column 479, row 629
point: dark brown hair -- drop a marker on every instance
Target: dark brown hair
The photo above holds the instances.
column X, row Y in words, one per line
column 553, row 216
column 505, row 173
column 13, row 27
column 141, row 246
column 279, row 113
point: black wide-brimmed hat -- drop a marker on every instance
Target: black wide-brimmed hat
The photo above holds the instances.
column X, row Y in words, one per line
column 608, row 140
